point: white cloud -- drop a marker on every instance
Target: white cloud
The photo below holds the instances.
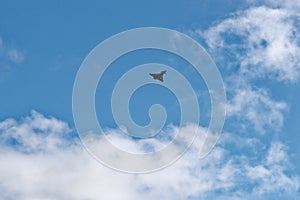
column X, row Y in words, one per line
column 34, row 133
column 263, row 42
column 35, row 167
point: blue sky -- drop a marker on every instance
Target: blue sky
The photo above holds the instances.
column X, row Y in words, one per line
column 64, row 34
column 255, row 45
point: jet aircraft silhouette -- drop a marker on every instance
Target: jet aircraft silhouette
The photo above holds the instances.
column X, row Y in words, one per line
column 159, row 76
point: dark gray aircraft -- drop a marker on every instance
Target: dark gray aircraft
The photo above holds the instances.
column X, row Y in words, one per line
column 159, row 76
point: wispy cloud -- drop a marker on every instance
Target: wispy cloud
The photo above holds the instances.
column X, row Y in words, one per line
column 261, row 41
column 9, row 56
column 292, row 5
column 15, row 56
column 256, row 108
column 271, row 173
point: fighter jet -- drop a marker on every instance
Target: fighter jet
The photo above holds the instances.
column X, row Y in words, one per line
column 159, row 76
